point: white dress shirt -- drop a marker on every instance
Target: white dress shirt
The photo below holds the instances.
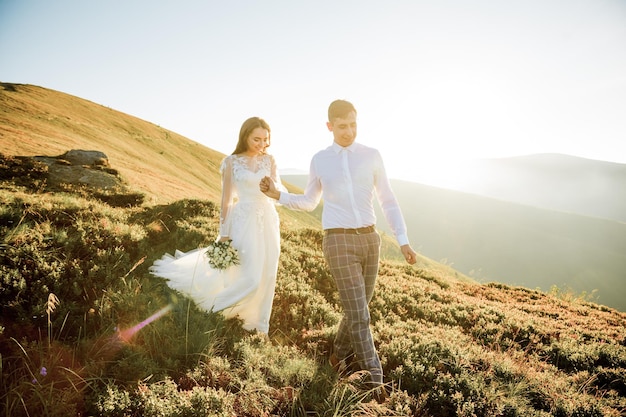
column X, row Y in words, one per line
column 348, row 178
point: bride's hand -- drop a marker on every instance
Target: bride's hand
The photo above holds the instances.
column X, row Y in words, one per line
column 264, row 184
column 268, row 188
column 267, row 184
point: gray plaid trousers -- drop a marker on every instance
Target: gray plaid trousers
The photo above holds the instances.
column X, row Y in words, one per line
column 353, row 262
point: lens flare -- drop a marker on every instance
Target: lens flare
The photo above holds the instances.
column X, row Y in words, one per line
column 127, row 334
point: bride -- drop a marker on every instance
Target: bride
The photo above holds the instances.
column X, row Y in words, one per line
column 249, row 219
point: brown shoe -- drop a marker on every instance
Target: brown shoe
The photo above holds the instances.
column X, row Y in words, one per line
column 341, row 366
column 379, row 394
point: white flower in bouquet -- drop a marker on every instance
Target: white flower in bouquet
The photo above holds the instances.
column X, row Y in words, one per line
column 222, row 255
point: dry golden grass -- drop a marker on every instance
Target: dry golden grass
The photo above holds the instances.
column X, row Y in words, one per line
column 163, row 165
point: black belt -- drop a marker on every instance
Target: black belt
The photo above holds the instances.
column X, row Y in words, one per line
column 357, row 231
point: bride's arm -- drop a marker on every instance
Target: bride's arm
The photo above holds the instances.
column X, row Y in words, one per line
column 275, row 176
column 227, row 197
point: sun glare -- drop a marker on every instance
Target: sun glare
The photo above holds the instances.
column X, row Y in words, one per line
column 442, row 172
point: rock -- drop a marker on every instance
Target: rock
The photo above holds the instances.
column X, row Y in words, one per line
column 83, row 168
column 82, row 175
column 81, row 171
column 82, row 157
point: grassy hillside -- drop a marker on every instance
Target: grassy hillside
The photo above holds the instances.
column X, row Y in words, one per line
column 164, row 165
column 86, row 330
column 157, row 162
column 495, row 240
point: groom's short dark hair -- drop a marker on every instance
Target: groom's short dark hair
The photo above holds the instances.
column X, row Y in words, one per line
column 339, row 108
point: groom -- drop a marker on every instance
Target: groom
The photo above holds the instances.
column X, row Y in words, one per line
column 348, row 174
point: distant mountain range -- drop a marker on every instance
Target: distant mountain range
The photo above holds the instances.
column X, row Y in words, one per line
column 552, row 181
column 542, row 221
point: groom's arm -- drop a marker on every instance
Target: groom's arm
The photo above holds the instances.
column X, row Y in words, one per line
column 305, row 202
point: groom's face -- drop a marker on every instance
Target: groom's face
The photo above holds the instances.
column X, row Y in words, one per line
column 344, row 129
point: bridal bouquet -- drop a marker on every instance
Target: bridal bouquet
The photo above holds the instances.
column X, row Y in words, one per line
column 221, row 255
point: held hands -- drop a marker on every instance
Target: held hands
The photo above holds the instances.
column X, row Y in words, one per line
column 409, row 254
column 264, row 185
column 268, row 188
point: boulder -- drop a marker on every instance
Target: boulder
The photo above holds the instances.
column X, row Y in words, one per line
column 82, row 157
column 83, row 171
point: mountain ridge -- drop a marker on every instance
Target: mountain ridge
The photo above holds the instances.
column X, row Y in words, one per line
column 552, row 181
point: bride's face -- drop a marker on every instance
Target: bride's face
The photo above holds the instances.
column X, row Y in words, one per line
column 258, row 140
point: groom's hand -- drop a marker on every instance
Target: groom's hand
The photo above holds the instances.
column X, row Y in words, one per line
column 409, row 254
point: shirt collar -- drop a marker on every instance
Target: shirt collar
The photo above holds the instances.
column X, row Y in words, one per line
column 337, row 148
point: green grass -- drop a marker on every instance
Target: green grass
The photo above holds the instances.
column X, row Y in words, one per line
column 449, row 346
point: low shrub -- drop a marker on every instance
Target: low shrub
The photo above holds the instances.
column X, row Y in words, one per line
column 116, row 341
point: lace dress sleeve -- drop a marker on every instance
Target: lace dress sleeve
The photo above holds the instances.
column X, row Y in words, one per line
column 228, row 196
column 275, row 176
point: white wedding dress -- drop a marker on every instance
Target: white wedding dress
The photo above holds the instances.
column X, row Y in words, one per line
column 250, row 219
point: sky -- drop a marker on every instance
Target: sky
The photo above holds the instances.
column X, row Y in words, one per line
column 435, row 83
